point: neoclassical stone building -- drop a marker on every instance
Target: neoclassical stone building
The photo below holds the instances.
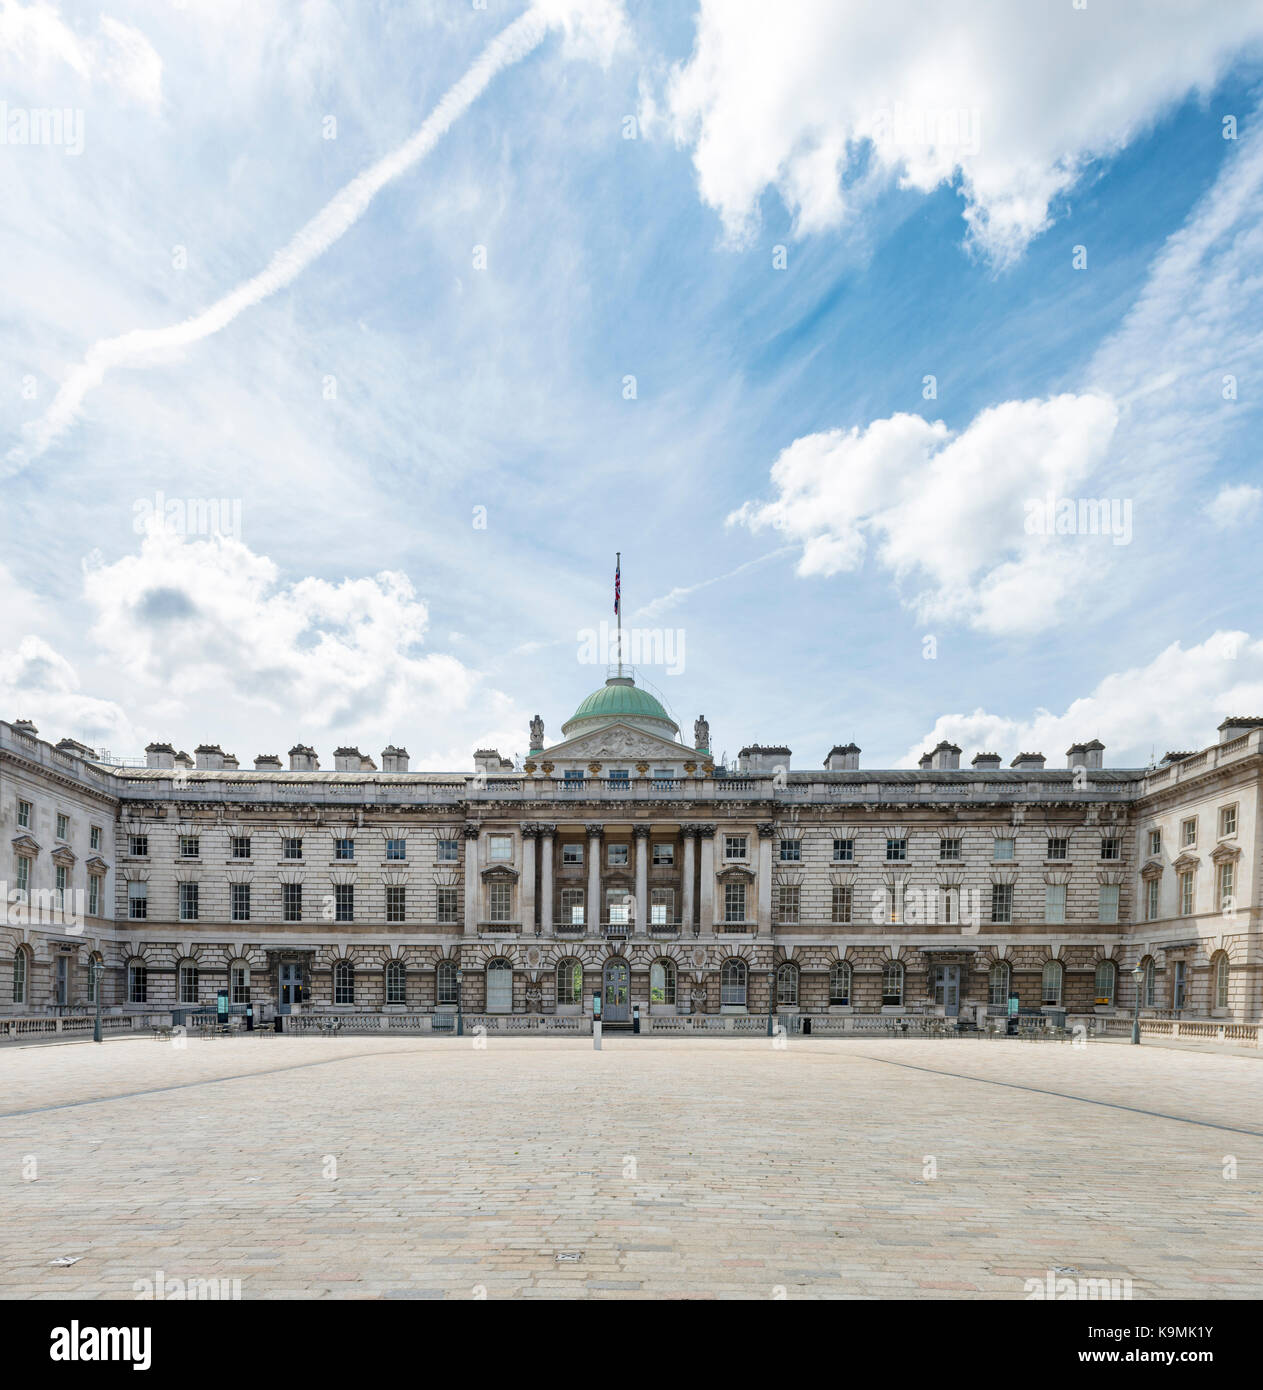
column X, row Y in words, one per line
column 622, row 861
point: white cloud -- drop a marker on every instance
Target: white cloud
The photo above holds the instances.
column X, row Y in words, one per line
column 38, row 683
column 1175, row 702
column 947, row 514
column 1014, row 100
column 37, row 41
column 1234, row 506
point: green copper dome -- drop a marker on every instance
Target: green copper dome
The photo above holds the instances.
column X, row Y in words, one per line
column 619, row 698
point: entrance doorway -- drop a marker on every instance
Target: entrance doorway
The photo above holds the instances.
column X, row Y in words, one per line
column 617, row 1005
column 947, row 989
column 291, row 982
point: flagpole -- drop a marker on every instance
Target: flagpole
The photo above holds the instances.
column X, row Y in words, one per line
column 618, row 608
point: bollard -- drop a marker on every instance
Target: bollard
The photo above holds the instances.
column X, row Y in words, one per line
column 635, row 1018
column 596, row 1034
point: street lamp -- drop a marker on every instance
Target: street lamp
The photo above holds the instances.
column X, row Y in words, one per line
column 1138, row 974
column 460, row 1022
column 771, row 996
column 96, row 969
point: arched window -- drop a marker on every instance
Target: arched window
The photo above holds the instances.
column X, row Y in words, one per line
column 343, row 982
column 998, row 985
column 21, row 975
column 446, row 986
column 569, row 982
column 137, row 982
column 239, row 982
column 1221, row 981
column 732, row 982
column 189, row 993
column 892, row 984
column 499, row 987
column 1150, row 982
column 396, row 982
column 1105, row 978
column 787, row 985
column 662, row 982
column 1052, row 982
column 840, row 983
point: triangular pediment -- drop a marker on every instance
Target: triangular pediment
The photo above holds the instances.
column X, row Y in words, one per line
column 620, row 742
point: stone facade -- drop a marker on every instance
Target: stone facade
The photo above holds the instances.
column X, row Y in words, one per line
column 622, row 862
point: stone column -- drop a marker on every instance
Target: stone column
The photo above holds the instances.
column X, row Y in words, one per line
column 707, row 835
column 529, row 832
column 640, row 835
column 547, row 836
column 689, row 833
column 473, row 886
column 593, row 910
column 765, row 879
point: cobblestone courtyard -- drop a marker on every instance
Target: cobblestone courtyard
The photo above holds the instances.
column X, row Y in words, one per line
column 673, row 1168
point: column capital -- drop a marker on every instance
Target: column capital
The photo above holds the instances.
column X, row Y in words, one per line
column 530, row 829
column 472, row 830
column 642, row 832
column 766, row 830
column 544, row 829
column 703, row 832
column 595, row 831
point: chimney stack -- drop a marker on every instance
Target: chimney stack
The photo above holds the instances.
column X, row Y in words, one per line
column 985, row 761
column 945, row 757
column 302, row 758
column 24, row 726
column 1234, row 726
column 160, row 755
column 926, row 760
column 843, row 757
column 757, row 758
column 1075, row 756
column 1094, row 754
column 348, row 760
column 210, row 757
column 267, row 762
column 1028, row 762
column 394, row 759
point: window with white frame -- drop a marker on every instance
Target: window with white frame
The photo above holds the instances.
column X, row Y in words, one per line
column 1051, row 982
column 92, row 978
column 344, row 902
column 735, row 846
column 1227, row 886
column 662, row 906
column 892, row 985
column 188, row 902
column 94, row 837
column 843, row 851
column 138, row 846
column 1150, row 982
column 448, row 906
column 1155, row 842
column 240, row 901
column 843, row 902
column 569, row 983
column 1151, row 900
column 94, row 895
column 1186, row 893
column 239, row 975
column 291, row 847
column 732, row 983
column 1107, row 903
column 292, row 902
column 998, row 985
column 396, row 849
column 1221, row 981
column 343, row 982
column 662, row 982
column 190, row 847
column 1179, row 985
column 617, row 856
column 572, row 852
column 949, row 849
column 500, row 848
column 344, row 848
column 24, row 814
column 1111, row 847
column 734, row 902
column 188, row 983
column 787, row 900
column 791, row 851
column 1227, row 820
column 19, row 975
column 1058, row 848
column 500, row 902
column 499, row 987
column 396, row 982
column 1106, row 977
column 1188, row 832
column 137, row 900
column 572, row 906
column 24, row 875
column 1054, row 902
column 663, row 855
column 840, row 983
column 241, row 847
column 60, row 883
column 396, row 902
column 619, row 906
column 1002, row 850
column 446, row 983
column 787, row 985
column 63, row 826
column 894, row 895
column 137, row 983
column 449, row 851
column 896, row 849
column 1001, row 902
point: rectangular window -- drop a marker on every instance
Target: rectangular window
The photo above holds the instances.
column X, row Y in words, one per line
column 188, row 902
column 1227, row 820
column 449, row 852
column 344, row 849
column 787, row 899
column 896, row 849
column 500, row 847
column 396, row 902
column 574, row 775
column 396, row 985
column 188, row 984
column 662, row 906
column 617, row 907
column 1003, row 849
column 94, row 837
column 1155, row 842
column 396, row 849
column 572, row 906
column 240, row 894
column 734, row 902
column 1001, row 902
column 1107, row 903
column 241, row 847
column 1186, row 893
column 24, row 814
column 735, row 846
column 949, row 849
column 63, row 827
column 1054, row 902
column 292, row 901
column 240, row 984
column 449, row 906
column 24, row 873
column 500, row 902
column 620, row 776
column 616, row 856
column 1151, row 900
column 1058, row 849
column 94, row 895
column 842, row 902
column 1227, row 886
column 344, row 902
column 663, row 856
column 138, row 846
column 1188, row 832
column 843, row 851
column 893, row 895
column 137, row 984
column 572, row 853
column 190, row 847
column 61, row 885
column 791, row 851
column 1111, row 848
column 137, row 900
column 291, row 847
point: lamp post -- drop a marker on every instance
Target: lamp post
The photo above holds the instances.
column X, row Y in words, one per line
column 1138, row 974
column 771, row 997
column 460, row 992
column 96, row 969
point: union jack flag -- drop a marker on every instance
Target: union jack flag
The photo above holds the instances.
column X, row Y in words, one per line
column 617, row 584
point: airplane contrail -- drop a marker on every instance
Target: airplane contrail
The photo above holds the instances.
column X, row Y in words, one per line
column 346, row 207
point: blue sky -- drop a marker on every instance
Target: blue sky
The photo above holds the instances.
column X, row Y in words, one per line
column 363, row 413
